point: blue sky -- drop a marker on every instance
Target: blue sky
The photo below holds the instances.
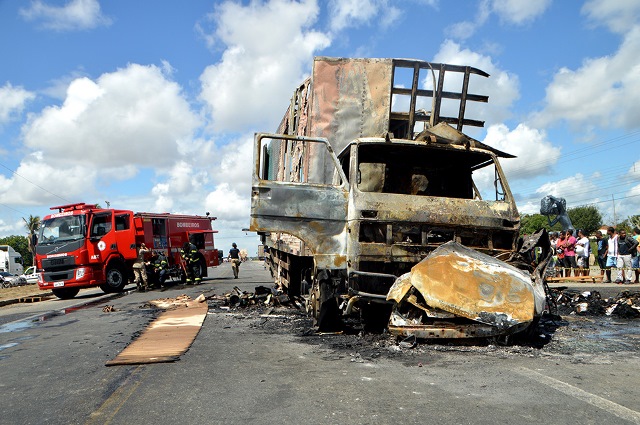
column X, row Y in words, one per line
column 152, row 105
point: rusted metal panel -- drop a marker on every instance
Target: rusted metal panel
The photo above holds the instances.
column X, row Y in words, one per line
column 467, row 284
column 350, row 99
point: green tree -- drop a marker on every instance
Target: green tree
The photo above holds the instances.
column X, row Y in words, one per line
column 634, row 221
column 587, row 218
column 32, row 224
column 624, row 225
column 21, row 245
column 531, row 223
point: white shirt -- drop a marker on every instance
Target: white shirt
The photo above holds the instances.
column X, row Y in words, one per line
column 612, row 246
column 584, row 242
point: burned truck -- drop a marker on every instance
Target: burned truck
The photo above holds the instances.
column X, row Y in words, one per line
column 368, row 174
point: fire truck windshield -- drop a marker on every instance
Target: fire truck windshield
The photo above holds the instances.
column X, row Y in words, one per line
column 61, row 229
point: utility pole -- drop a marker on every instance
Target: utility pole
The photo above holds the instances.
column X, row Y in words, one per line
column 615, row 221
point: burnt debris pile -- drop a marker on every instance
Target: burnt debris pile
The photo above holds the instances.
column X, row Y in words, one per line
column 590, row 303
column 262, row 296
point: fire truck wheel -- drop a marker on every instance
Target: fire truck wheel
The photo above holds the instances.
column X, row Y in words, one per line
column 116, row 278
column 65, row 293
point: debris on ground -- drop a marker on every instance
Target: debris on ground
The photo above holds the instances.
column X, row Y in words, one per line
column 108, row 309
column 262, row 296
column 572, row 302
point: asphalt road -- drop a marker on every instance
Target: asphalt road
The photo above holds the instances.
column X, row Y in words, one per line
column 245, row 367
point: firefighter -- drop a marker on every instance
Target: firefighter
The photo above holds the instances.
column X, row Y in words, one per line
column 189, row 254
column 139, row 270
column 234, row 256
column 161, row 268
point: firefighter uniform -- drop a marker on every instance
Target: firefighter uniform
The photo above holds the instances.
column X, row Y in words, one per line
column 161, row 267
column 139, row 270
column 189, row 254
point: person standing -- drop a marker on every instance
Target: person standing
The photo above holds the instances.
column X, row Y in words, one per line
column 139, row 269
column 635, row 259
column 162, row 269
column 612, row 251
column 626, row 247
column 583, row 252
column 234, row 257
column 560, row 253
column 570, row 253
column 601, row 255
column 189, row 254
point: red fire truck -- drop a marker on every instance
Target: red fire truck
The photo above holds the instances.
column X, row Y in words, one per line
column 83, row 245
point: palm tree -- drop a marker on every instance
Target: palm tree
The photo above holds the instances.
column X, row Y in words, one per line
column 32, row 225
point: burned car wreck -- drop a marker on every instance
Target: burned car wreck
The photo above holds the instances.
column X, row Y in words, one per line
column 457, row 292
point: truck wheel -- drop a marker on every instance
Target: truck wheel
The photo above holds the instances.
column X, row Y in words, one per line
column 326, row 311
column 116, row 279
column 65, row 293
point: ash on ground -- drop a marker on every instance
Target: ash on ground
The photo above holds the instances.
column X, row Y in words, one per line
column 590, row 334
column 570, row 302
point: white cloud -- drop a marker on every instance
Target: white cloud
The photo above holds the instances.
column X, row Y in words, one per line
column 619, row 16
column 269, row 48
column 602, row 92
column 74, row 15
column 574, row 188
column 513, row 12
column 131, row 116
column 229, row 206
column 519, row 12
column 39, row 183
column 106, row 131
column 182, row 192
column 13, row 101
column 15, row 228
column 535, row 154
column 535, row 157
column 501, row 87
column 353, row 13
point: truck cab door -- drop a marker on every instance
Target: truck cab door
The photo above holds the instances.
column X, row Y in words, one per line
column 125, row 235
column 102, row 239
column 299, row 188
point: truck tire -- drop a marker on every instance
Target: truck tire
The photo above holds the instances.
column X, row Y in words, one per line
column 326, row 310
column 65, row 293
column 116, row 278
column 203, row 266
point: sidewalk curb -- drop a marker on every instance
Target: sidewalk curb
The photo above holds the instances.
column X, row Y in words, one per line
column 10, row 301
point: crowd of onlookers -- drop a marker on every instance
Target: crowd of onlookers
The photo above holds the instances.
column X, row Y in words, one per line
column 615, row 250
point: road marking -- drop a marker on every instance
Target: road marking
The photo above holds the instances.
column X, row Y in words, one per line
column 575, row 392
column 112, row 405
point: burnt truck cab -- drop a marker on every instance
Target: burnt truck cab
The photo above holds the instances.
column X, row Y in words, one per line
column 390, row 203
column 408, row 197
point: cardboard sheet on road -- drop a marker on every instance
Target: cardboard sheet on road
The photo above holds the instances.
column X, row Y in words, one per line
column 167, row 337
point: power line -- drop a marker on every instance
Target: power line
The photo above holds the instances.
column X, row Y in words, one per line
column 18, row 211
column 36, row 185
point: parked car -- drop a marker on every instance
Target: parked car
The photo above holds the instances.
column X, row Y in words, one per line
column 30, row 275
column 9, row 279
